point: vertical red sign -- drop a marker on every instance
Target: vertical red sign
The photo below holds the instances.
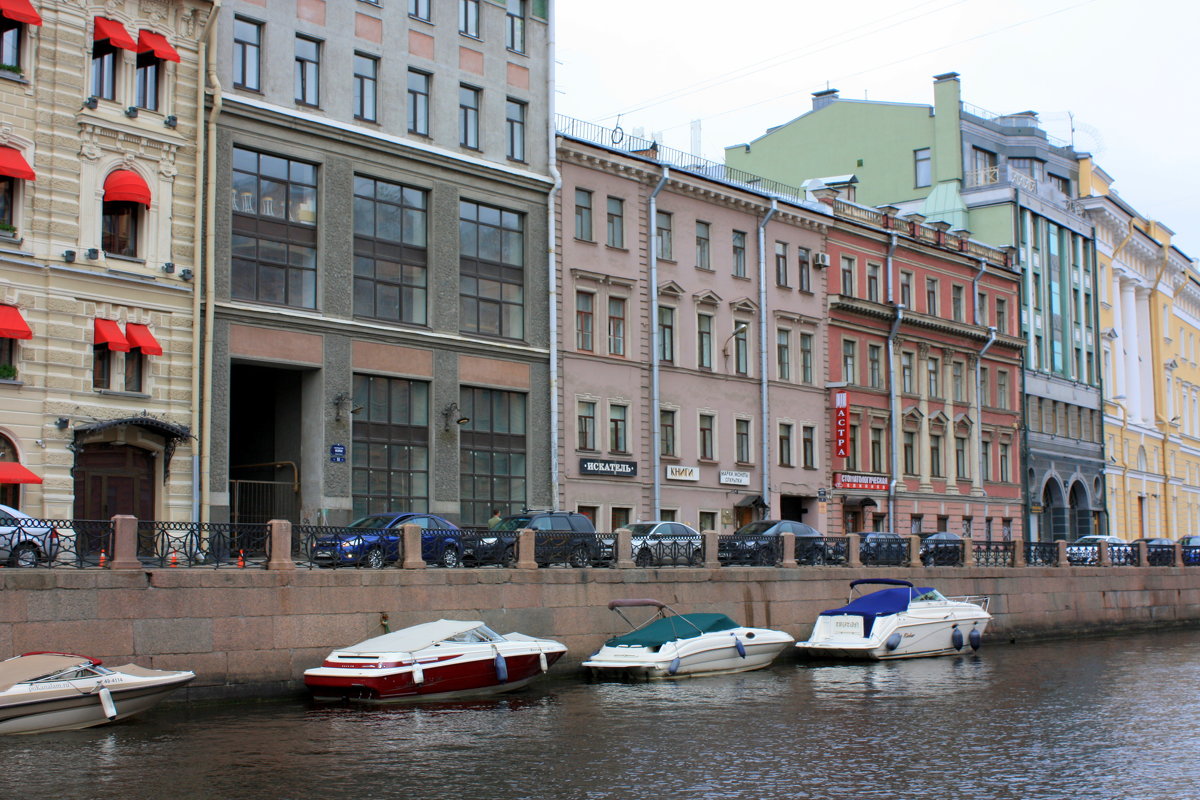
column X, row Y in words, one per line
column 841, row 425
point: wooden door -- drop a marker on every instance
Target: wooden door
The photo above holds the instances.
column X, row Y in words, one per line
column 114, row 479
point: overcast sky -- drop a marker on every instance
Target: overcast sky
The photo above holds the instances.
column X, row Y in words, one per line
column 1126, row 73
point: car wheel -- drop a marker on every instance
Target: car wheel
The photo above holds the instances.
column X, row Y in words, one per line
column 580, row 558
column 450, row 558
column 375, row 558
column 697, row 558
column 510, row 557
column 644, row 558
column 24, row 555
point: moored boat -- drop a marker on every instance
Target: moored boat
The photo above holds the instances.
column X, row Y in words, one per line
column 674, row 645
column 441, row 660
column 901, row 621
column 42, row 692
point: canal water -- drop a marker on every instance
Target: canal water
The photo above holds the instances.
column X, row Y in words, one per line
column 1095, row 719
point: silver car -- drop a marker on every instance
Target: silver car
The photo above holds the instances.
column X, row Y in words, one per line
column 657, row 544
column 24, row 542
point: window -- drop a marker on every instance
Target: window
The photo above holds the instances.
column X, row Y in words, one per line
column 739, row 254
column 906, row 283
column 806, row 358
column 922, row 168
column 906, row 373
column 874, row 366
column 741, row 348
column 852, row 448
column 708, row 521
column 783, row 354
column 1030, row 167
column 419, row 9
column 666, row 432
column 8, row 358
column 616, row 222
column 418, row 102
column 1001, row 315
column 585, row 303
column 662, row 236
column 957, row 384
column 586, row 425
column 962, row 469
column 146, row 80
column 703, row 258
column 119, row 227
column 514, row 31
column 308, row 71
column 617, row 421
column 491, row 270
column 492, row 451
column 931, row 296
column 985, row 457
column 621, row 516
column 616, row 326
column 10, row 43
column 102, row 358
column 583, row 215
column 390, row 451
column 514, row 127
column 849, row 367
column 1001, row 389
column 914, row 524
column 848, row 276
column 985, row 387
column 742, row 440
column 666, row 334
column 366, row 83
column 808, row 446
column 981, row 302
column 876, row 449
column 247, row 54
column 391, row 276
column 873, row 282
column 910, row 453
column 781, row 264
column 785, row 444
column 1060, row 183
column 704, row 341
column 934, row 368
column 135, row 367
column 1004, row 469
column 984, row 166
column 468, row 116
column 105, row 57
column 468, row 17
column 956, row 303
column 804, row 273
column 705, row 441
column 274, row 244
column 935, row 455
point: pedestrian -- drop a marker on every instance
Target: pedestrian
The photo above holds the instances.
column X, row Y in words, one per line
column 495, row 520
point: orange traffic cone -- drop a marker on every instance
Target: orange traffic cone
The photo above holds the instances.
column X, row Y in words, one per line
column 174, row 558
column 241, row 558
column 103, row 557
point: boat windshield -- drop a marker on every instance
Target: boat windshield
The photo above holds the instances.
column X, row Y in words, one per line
column 74, row 674
column 481, row 634
column 929, row 595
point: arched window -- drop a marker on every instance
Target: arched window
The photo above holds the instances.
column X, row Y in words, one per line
column 125, row 192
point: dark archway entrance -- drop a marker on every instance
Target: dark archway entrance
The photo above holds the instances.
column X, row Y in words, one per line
column 1055, row 523
column 1081, row 517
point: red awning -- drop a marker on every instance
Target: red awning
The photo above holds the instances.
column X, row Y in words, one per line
column 21, row 11
column 12, row 472
column 114, row 32
column 109, row 333
column 13, row 325
column 125, row 184
column 140, row 338
column 14, row 165
column 156, row 42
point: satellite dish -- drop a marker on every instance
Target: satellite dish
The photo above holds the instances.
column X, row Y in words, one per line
column 1087, row 139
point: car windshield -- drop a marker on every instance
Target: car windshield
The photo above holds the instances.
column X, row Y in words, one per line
column 373, row 522
column 761, row 526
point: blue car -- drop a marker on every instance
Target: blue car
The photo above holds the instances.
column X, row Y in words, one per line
column 374, row 541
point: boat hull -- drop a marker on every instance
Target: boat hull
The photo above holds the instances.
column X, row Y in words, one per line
column 710, row 654
column 921, row 633
column 79, row 705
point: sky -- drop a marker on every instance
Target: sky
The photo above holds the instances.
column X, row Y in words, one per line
column 1117, row 78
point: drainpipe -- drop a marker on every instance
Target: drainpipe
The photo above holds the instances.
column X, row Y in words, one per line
column 655, row 427
column 977, row 430
column 203, row 221
column 764, row 403
column 893, row 387
column 552, row 294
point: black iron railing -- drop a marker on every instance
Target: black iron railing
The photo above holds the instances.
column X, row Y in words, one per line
column 668, row 550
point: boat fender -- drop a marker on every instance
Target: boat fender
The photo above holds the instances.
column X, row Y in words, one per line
column 106, row 702
column 673, row 667
column 501, row 668
column 956, row 638
column 542, row 660
column 892, row 642
column 741, row 648
column 975, row 638
column 418, row 674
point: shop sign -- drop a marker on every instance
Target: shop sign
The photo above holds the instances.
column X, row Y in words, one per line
column 846, row 480
column 599, row 466
column 735, row 477
column 841, row 425
column 678, row 473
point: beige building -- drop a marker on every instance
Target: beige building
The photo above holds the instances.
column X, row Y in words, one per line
column 98, row 225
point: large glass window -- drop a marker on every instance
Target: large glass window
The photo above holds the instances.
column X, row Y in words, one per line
column 390, row 454
column 390, row 257
column 514, row 127
column 247, row 54
column 492, row 273
column 308, row 71
column 492, row 453
column 468, row 116
column 274, row 245
column 366, row 83
column 418, row 102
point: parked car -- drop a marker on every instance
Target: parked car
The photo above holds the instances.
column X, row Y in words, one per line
column 1191, row 549
column 758, row 543
column 942, row 549
column 580, row 547
column 882, row 547
column 1160, row 551
column 24, row 542
column 375, row 540
column 662, row 542
column 1086, row 550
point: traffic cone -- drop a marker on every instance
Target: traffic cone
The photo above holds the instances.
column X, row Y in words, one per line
column 174, row 558
column 241, row 558
column 103, row 557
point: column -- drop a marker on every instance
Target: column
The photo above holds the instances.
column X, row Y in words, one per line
column 1148, row 376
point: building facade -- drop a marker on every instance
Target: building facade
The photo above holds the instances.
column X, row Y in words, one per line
column 378, row 323
column 98, row 231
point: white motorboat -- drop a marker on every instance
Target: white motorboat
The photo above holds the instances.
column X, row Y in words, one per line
column 901, row 621
column 673, row 645
column 442, row 660
column 61, row 692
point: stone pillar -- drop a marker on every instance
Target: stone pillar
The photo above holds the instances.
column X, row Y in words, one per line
column 914, row 550
column 710, row 550
column 1142, row 553
column 623, row 557
column 1103, row 556
column 852, row 555
column 968, row 552
column 280, row 532
column 412, row 547
column 1061, row 561
column 789, row 550
column 124, row 546
column 526, row 542
column 1177, row 555
column 1018, row 559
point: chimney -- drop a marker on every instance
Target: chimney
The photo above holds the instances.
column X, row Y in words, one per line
column 824, row 98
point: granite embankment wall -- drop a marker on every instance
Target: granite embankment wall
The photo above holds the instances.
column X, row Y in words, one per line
column 254, row 632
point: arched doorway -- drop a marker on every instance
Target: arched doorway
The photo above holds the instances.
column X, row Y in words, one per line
column 1080, row 511
column 1055, row 521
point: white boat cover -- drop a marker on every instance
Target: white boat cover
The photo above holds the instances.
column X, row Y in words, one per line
column 22, row 669
column 418, row 637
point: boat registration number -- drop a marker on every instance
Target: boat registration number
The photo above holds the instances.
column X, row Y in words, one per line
column 848, row 625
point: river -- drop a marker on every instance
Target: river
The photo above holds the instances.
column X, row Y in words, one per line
column 1095, row 719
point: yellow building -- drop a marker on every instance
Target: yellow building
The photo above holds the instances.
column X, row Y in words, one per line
column 1149, row 308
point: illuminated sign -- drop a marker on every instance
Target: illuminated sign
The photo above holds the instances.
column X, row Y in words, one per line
column 841, row 425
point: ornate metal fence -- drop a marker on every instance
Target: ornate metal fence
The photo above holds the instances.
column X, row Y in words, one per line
column 573, row 549
column 203, row 544
column 668, row 550
column 1160, row 555
column 1041, row 554
column 992, row 553
column 889, row 552
column 749, row 551
column 816, row 551
column 334, row 547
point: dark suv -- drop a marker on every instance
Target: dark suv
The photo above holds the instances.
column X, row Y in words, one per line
column 578, row 544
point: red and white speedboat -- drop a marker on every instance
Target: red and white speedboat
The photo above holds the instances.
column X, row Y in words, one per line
column 439, row 660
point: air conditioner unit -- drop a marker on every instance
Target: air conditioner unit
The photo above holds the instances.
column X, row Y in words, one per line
column 820, row 259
